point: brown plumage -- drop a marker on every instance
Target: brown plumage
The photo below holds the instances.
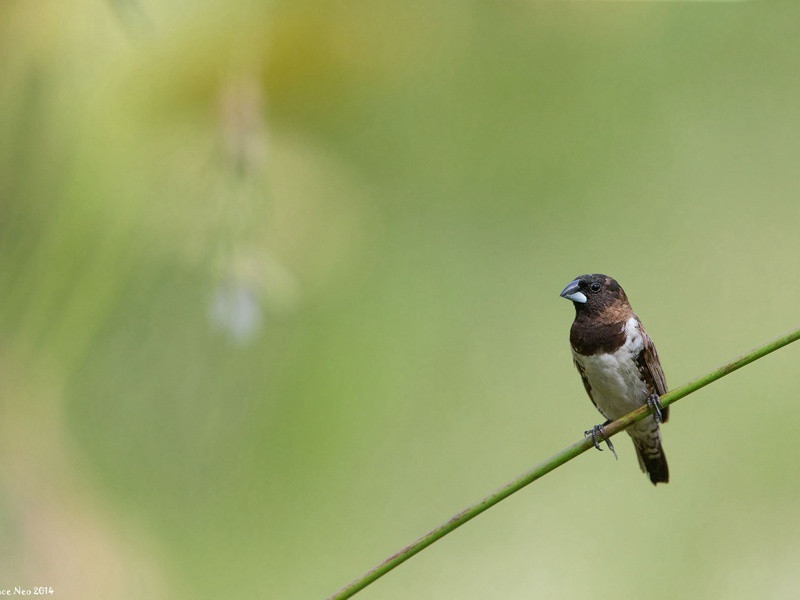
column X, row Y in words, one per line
column 618, row 363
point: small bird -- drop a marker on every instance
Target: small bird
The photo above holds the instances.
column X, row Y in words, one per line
column 619, row 366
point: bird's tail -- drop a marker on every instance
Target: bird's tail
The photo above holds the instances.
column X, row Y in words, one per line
column 650, row 452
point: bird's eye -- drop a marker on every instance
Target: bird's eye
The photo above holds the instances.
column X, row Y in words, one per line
column 595, row 287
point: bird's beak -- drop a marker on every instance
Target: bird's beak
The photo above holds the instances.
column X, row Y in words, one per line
column 572, row 292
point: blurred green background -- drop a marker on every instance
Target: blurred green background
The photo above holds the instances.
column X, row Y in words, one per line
column 280, row 294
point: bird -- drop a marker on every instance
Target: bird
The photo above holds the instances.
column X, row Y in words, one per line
column 619, row 366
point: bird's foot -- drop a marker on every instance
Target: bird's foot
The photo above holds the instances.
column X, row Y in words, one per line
column 655, row 406
column 599, row 435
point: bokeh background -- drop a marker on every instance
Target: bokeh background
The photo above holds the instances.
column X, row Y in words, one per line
column 279, row 293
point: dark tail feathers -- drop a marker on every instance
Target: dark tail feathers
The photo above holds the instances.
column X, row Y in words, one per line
column 653, row 461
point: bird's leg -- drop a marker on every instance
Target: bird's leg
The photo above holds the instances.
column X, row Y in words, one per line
column 599, row 435
column 655, row 406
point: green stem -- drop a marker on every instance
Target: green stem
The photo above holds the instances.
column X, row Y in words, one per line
column 556, row 461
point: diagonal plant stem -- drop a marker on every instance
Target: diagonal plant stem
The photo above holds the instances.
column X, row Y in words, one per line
column 556, row 461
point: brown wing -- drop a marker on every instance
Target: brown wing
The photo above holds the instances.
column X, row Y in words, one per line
column 650, row 368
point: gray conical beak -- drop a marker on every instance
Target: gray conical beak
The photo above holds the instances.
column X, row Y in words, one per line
column 572, row 292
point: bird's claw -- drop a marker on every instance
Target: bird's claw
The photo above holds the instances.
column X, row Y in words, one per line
column 655, row 406
column 599, row 435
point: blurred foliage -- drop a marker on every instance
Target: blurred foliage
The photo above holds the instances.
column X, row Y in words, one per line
column 280, row 293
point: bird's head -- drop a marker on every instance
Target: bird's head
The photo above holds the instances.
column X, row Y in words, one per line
column 594, row 293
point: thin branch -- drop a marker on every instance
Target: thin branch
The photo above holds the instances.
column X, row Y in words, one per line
column 556, row 461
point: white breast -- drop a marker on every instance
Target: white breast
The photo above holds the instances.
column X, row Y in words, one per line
column 616, row 385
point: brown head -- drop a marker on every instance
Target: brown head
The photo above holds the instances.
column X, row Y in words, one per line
column 595, row 294
column 601, row 311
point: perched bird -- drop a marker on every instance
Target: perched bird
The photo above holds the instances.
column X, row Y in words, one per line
column 619, row 366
